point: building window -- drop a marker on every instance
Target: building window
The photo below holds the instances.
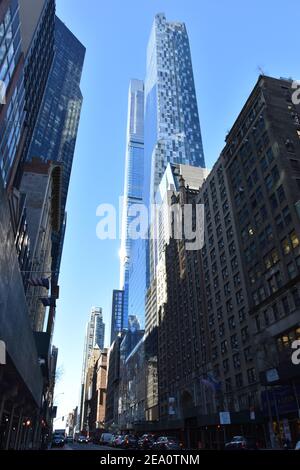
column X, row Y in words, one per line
column 229, row 306
column 285, row 246
column 224, row 347
column 239, row 297
column 245, row 334
column 220, row 313
column 231, row 322
column 280, row 194
column 214, row 268
column 239, row 380
column 226, row 365
column 275, row 312
column 221, row 244
column 279, row 223
column 223, row 258
column 214, row 353
column 236, row 361
column 286, row 215
column 219, row 230
column 242, row 314
column 248, row 354
column 285, row 341
column 294, row 239
column 285, row 306
column 291, row 269
column 251, row 375
column 216, row 282
column 234, row 341
column 227, row 220
column 225, row 206
column 234, row 263
column 264, row 164
column 229, row 234
column 225, row 273
column 227, row 288
column 228, row 384
column 266, row 318
column 269, row 182
column 296, row 297
column 232, row 249
column 273, row 201
column 237, row 280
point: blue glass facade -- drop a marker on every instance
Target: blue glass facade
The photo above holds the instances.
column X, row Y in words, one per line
column 133, row 185
column 55, row 134
column 137, row 281
column 116, row 314
column 10, row 52
column 172, row 126
column 26, row 54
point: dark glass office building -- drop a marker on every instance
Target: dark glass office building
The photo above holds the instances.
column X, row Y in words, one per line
column 117, row 314
column 55, row 134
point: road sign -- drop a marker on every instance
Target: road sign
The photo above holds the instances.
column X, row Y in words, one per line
column 225, row 417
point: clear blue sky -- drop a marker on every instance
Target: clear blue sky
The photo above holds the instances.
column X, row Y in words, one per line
column 229, row 41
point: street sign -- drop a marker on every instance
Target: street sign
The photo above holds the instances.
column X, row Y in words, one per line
column 225, row 417
column 272, row 375
column 2, row 353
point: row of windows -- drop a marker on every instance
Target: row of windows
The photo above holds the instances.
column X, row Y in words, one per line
column 285, row 340
column 233, row 339
column 278, row 310
column 239, row 379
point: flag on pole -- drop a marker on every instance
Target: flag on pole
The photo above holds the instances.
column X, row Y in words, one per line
column 39, row 282
column 211, row 382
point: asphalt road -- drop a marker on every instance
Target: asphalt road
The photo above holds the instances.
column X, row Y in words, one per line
column 76, row 446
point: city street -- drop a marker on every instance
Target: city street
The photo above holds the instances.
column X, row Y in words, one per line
column 76, row 446
column 149, row 232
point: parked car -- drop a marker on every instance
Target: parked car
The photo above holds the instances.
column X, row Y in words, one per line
column 297, row 446
column 58, row 441
column 118, row 440
column 242, row 443
column 167, row 443
column 106, row 438
column 83, row 440
column 69, row 439
column 129, row 442
column 146, row 441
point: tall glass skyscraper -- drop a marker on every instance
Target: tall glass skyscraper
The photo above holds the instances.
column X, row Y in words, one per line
column 172, row 126
column 133, row 185
column 55, row 134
